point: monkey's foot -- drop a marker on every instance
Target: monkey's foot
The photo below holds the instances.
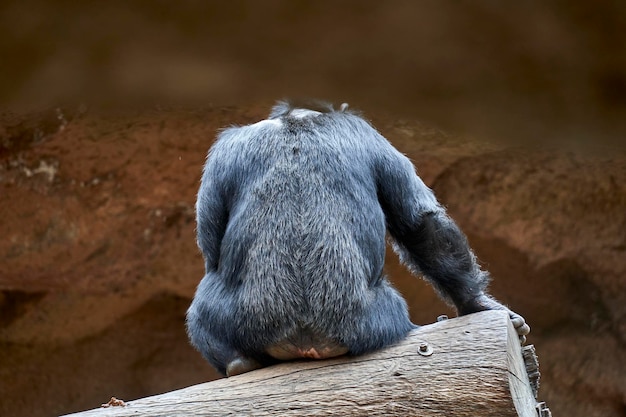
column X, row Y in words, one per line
column 241, row 365
column 483, row 303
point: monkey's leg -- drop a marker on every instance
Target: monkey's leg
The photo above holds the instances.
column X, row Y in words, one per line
column 210, row 330
column 225, row 358
column 384, row 320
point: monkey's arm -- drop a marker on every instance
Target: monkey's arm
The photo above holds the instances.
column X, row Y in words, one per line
column 211, row 208
column 429, row 241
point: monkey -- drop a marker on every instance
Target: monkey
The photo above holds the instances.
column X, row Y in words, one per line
column 293, row 215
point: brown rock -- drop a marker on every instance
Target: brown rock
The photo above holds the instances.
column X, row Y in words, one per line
column 100, row 259
column 97, row 252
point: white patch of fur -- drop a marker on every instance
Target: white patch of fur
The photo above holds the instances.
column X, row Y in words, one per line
column 275, row 122
column 302, row 113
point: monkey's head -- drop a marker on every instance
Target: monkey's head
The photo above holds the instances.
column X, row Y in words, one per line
column 303, row 107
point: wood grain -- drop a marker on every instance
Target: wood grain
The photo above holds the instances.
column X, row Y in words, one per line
column 475, row 369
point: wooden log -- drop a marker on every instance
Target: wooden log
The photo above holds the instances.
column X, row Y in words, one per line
column 467, row 366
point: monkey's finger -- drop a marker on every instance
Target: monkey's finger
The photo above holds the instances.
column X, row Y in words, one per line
column 517, row 320
column 520, row 324
column 522, row 339
column 523, row 330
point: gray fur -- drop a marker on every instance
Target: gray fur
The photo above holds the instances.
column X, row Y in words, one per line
column 292, row 216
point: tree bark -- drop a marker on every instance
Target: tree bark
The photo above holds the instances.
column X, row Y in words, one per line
column 467, row 366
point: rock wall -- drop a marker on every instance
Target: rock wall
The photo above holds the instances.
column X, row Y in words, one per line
column 107, row 110
column 100, row 263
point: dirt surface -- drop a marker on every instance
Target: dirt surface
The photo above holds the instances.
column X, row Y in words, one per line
column 107, row 111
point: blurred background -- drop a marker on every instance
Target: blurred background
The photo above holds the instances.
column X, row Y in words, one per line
column 513, row 113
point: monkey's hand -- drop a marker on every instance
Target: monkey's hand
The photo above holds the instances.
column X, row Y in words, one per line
column 483, row 302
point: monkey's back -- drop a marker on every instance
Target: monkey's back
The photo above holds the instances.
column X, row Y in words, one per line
column 305, row 240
